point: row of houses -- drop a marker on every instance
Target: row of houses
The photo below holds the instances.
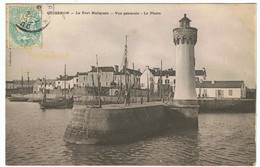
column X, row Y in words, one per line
column 153, row 79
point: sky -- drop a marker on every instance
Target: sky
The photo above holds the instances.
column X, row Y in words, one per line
column 226, row 44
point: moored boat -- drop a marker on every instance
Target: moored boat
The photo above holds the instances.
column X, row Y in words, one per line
column 18, row 98
column 57, row 104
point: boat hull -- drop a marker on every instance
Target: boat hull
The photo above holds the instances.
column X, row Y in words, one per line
column 57, row 104
column 18, row 99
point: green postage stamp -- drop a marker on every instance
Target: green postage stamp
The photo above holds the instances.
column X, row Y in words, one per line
column 25, row 26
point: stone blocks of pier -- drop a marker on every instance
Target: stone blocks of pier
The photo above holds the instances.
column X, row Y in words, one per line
column 115, row 125
column 184, row 113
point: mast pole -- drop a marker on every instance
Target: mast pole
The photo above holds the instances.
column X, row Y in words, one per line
column 65, row 80
column 22, row 81
column 44, row 90
column 161, row 81
column 27, row 79
column 148, row 88
column 98, row 78
column 22, row 84
column 125, row 68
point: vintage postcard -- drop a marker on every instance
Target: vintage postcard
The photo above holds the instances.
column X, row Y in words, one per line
column 130, row 84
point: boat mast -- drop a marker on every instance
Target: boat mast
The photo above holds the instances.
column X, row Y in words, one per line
column 148, row 89
column 65, row 80
column 161, row 81
column 22, row 84
column 125, row 73
column 28, row 79
column 22, row 81
column 98, row 78
column 44, row 95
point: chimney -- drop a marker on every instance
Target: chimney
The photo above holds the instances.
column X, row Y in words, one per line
column 205, row 73
column 139, row 70
column 116, row 68
column 133, row 66
column 213, row 82
column 147, row 67
column 92, row 68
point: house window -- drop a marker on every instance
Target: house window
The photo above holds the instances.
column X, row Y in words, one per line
column 106, row 76
column 205, row 92
column 167, row 81
column 77, row 80
column 106, row 83
column 230, row 92
column 58, row 82
column 167, row 75
column 174, row 81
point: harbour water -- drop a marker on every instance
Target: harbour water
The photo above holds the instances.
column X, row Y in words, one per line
column 35, row 137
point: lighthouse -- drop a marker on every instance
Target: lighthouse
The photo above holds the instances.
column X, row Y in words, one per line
column 185, row 38
column 185, row 101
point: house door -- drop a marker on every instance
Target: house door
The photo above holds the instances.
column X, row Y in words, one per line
column 219, row 93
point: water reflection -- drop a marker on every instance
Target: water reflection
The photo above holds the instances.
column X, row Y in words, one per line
column 167, row 149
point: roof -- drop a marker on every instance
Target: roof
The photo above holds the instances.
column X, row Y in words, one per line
column 67, row 78
column 81, row 73
column 219, row 84
column 200, row 72
column 152, row 71
column 129, row 71
column 185, row 19
column 103, row 69
column 165, row 72
column 41, row 81
column 134, row 72
column 250, row 90
column 172, row 72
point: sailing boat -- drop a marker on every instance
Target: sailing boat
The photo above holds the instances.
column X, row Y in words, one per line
column 59, row 103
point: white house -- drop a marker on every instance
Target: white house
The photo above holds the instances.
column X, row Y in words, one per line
column 82, row 79
column 40, row 84
column 133, row 77
column 147, row 78
column 62, row 81
column 106, row 75
column 168, row 77
column 221, row 89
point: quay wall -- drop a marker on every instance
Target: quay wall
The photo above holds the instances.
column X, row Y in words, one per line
column 225, row 105
column 88, row 100
column 114, row 125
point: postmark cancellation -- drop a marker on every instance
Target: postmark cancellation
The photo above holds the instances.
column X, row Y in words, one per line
column 25, row 25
